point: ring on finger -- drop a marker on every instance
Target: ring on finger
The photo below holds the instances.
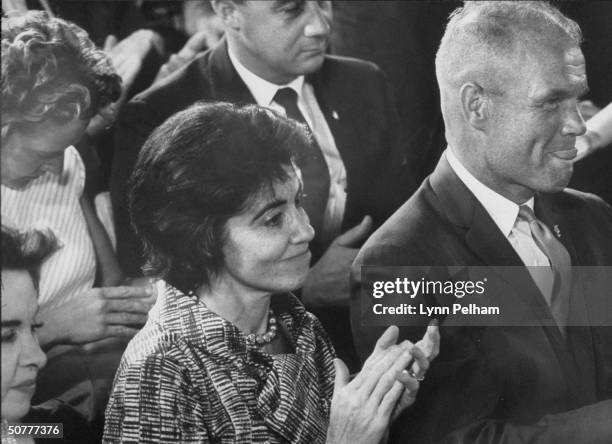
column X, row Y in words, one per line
column 412, row 374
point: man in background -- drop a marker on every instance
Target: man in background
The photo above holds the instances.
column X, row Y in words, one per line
column 355, row 176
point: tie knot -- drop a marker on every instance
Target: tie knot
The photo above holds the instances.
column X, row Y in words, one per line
column 526, row 213
column 285, row 97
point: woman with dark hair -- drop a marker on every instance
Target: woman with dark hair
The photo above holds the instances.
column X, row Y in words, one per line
column 22, row 358
column 54, row 81
column 228, row 353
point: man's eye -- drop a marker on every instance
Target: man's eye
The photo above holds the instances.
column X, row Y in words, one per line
column 9, row 336
column 551, row 105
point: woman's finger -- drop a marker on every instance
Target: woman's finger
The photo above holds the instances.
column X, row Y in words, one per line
column 367, row 378
column 430, row 344
column 409, row 382
column 390, row 400
column 110, row 42
column 420, row 365
column 386, row 381
column 342, row 374
column 388, row 338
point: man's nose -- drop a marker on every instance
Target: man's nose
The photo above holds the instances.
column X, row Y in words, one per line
column 574, row 123
column 320, row 19
column 55, row 165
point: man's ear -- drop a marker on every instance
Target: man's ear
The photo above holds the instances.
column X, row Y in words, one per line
column 229, row 13
column 474, row 105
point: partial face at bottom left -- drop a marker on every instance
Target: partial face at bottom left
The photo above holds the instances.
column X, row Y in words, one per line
column 22, row 357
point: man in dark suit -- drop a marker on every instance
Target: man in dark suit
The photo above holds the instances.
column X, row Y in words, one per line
column 280, row 45
column 510, row 76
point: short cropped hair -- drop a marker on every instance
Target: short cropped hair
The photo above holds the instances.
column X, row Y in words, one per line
column 51, row 69
column 27, row 251
column 201, row 167
column 481, row 33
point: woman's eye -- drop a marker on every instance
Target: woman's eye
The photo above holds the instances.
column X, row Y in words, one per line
column 35, row 327
column 274, row 220
column 298, row 200
column 9, row 336
column 294, row 8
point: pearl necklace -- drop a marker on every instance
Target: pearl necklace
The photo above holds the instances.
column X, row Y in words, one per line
column 256, row 339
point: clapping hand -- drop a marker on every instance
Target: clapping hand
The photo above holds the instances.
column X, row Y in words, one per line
column 362, row 409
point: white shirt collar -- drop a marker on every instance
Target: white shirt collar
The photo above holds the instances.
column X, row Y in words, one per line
column 262, row 90
column 502, row 210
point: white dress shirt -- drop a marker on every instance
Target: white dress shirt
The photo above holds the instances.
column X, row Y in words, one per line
column 264, row 92
column 52, row 201
column 504, row 213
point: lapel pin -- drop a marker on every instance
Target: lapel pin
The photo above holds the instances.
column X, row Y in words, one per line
column 335, row 115
column 557, row 231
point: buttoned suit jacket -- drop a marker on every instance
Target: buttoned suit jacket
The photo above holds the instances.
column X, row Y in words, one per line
column 356, row 103
column 497, row 384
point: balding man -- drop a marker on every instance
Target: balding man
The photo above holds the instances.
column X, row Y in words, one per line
column 510, row 76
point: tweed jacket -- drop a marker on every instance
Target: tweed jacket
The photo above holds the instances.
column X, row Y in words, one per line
column 189, row 376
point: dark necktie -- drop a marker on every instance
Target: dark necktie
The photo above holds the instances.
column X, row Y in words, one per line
column 560, row 263
column 315, row 173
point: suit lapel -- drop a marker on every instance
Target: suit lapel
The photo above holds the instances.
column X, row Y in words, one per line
column 330, row 104
column 226, row 84
column 484, row 238
column 487, row 242
column 579, row 337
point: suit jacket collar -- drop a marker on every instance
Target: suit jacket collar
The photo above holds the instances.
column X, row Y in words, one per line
column 228, row 85
column 463, row 209
column 484, row 238
column 487, row 242
column 547, row 210
column 225, row 81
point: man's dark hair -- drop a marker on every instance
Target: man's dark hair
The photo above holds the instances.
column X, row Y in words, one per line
column 198, row 169
column 26, row 251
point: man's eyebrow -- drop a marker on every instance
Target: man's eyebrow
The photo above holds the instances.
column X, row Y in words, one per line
column 11, row 323
column 560, row 93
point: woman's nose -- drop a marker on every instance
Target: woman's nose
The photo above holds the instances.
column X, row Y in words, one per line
column 32, row 354
column 302, row 230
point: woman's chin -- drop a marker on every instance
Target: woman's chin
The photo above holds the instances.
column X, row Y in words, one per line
column 13, row 412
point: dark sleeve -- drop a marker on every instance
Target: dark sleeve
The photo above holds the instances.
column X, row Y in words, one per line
column 381, row 176
column 135, row 123
column 590, row 424
column 400, row 165
column 464, row 396
column 76, row 429
column 155, row 402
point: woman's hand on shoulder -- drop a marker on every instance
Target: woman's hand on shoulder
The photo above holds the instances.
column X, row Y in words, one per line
column 95, row 314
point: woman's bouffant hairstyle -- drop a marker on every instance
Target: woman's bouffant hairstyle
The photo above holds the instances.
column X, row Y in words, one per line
column 201, row 167
column 51, row 69
column 27, row 251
